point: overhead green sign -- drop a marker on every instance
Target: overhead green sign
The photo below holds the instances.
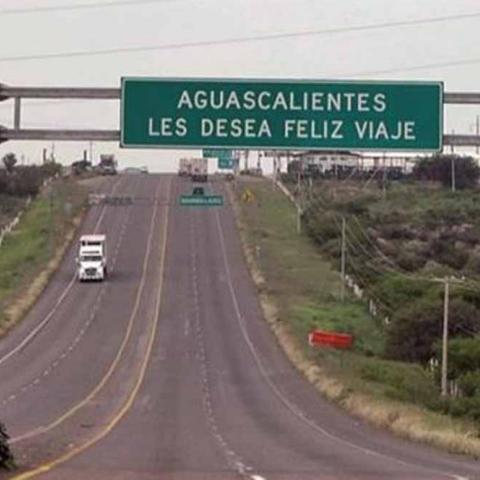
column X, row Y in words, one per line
column 217, row 153
column 281, row 114
column 201, row 200
column 225, row 163
column 224, row 156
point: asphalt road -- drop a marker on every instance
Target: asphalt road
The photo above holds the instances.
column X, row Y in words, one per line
column 168, row 371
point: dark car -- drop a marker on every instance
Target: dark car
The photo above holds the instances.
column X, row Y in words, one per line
column 198, row 191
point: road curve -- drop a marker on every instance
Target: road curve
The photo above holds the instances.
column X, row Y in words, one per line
column 201, row 389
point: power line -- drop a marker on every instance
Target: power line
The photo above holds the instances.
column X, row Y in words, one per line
column 77, row 6
column 412, row 68
column 372, row 259
column 251, row 39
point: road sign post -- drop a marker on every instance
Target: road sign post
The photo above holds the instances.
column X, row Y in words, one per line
column 281, row 114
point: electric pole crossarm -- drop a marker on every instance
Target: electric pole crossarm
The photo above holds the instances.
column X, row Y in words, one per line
column 459, row 98
column 59, row 92
column 462, row 140
column 60, row 135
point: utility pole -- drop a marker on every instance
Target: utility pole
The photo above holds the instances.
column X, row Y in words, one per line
column 52, row 153
column 343, row 259
column 51, row 233
column 274, row 174
column 477, row 131
column 384, row 177
column 298, row 202
column 445, row 337
column 91, row 151
column 453, row 174
column 446, row 281
column 299, row 219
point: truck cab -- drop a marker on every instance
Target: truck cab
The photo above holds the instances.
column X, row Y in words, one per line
column 92, row 258
column 107, row 165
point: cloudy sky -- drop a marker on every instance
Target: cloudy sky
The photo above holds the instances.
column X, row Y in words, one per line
column 326, row 45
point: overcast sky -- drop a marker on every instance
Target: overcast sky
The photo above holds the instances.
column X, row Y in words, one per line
column 377, row 53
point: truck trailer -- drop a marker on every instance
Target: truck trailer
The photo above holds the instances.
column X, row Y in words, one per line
column 184, row 167
column 199, row 169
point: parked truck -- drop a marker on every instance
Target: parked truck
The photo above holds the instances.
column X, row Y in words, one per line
column 184, row 167
column 92, row 258
column 199, row 169
column 107, row 165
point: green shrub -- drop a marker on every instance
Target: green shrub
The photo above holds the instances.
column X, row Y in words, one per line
column 411, row 261
column 439, row 168
column 415, row 329
column 405, row 382
column 461, row 407
column 6, row 457
column 463, row 356
column 469, row 383
column 398, row 291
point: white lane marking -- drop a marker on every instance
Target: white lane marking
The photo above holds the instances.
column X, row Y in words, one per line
column 257, row 477
column 289, row 405
column 40, row 326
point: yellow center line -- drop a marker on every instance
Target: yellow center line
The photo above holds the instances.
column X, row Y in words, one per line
column 133, row 394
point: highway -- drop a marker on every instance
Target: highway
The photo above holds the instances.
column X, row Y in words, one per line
column 168, row 371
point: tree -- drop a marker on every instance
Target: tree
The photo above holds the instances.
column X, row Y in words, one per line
column 463, row 356
column 414, row 331
column 439, row 168
column 6, row 457
column 9, row 160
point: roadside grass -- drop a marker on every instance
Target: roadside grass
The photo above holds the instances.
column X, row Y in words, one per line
column 36, row 240
column 299, row 290
column 306, row 287
column 8, row 207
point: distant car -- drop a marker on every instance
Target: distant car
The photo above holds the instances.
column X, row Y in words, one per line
column 81, row 166
column 144, row 169
column 198, row 191
column 132, row 170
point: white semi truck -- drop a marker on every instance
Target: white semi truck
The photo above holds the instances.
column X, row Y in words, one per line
column 92, row 258
column 199, row 169
column 184, row 167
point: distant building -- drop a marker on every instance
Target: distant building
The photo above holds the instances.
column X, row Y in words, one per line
column 329, row 160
